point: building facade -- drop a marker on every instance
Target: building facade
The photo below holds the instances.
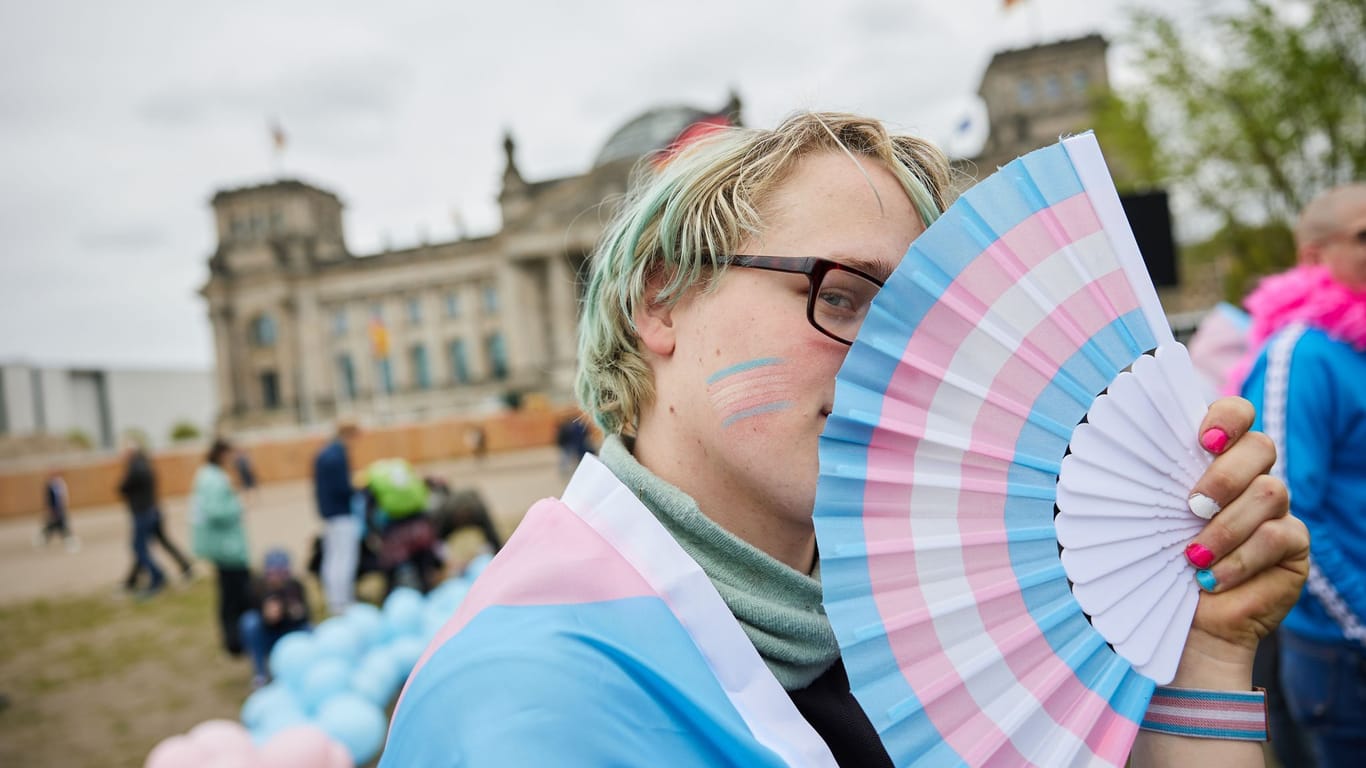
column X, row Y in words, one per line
column 306, row 331
column 100, row 404
column 1035, row 95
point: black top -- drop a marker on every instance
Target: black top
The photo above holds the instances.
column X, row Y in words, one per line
column 836, row 715
column 139, row 486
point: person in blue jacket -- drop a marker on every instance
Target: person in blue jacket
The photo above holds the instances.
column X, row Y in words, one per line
column 341, row 532
column 1309, row 386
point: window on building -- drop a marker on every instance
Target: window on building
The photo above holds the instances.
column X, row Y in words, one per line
column 1024, row 93
column 452, row 304
column 422, row 373
column 238, row 226
column 339, row 322
column 277, row 220
column 497, row 356
column 460, row 364
column 490, row 299
column 384, row 372
column 1052, row 88
column 270, row 390
column 263, row 331
column 1080, row 80
column 415, row 310
column 346, row 374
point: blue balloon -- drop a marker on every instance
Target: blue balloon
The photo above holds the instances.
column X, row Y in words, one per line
column 403, row 612
column 355, row 722
column 405, row 651
column 375, row 679
column 477, row 565
column 292, row 656
column 266, row 700
column 276, row 720
column 324, row 679
column 368, row 622
column 336, row 637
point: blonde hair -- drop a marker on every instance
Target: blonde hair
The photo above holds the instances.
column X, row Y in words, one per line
column 703, row 204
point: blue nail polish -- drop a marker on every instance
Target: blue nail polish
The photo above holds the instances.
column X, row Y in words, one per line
column 1206, row 579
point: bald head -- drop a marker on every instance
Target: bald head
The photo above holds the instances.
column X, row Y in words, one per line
column 1332, row 231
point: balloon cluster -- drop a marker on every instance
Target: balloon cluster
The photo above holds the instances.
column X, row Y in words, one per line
column 338, row 679
column 225, row 744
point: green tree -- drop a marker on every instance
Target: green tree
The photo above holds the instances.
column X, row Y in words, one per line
column 1250, row 115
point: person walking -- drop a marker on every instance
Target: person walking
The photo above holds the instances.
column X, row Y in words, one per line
column 56, row 500
column 341, row 530
column 139, row 491
column 218, row 535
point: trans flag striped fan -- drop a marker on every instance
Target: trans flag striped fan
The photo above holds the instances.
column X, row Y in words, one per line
column 1016, row 366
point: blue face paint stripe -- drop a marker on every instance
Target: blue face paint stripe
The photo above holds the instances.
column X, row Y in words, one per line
column 748, row 365
column 757, row 410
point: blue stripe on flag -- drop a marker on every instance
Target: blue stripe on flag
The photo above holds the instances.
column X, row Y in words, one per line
column 603, row 683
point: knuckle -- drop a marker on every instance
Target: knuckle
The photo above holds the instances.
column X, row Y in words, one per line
column 1262, row 444
column 1271, row 492
column 1220, row 484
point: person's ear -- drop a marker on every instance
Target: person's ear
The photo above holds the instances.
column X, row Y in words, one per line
column 1310, row 254
column 654, row 320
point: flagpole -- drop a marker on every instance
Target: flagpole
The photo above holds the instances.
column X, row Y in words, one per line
column 277, row 143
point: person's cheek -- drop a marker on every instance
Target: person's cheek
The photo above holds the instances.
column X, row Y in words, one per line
column 750, row 389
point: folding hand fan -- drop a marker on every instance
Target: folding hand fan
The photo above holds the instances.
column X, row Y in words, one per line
column 976, row 626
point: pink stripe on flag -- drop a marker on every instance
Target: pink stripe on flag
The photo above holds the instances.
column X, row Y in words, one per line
column 572, row 564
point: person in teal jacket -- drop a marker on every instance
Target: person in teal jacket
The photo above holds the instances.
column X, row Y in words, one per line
column 219, row 536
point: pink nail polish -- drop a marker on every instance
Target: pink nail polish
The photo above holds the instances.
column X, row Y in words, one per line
column 1199, row 556
column 1215, row 440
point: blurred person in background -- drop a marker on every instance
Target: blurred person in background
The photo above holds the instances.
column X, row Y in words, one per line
column 278, row 606
column 1308, row 381
column 139, row 491
column 595, row 636
column 57, row 501
column 218, row 535
column 246, row 475
column 341, row 529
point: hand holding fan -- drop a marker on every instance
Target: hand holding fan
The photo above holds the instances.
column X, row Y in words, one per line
column 968, row 636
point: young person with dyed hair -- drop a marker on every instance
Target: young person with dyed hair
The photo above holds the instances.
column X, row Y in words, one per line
column 668, row 608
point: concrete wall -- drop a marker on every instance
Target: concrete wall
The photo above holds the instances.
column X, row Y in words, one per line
column 105, row 403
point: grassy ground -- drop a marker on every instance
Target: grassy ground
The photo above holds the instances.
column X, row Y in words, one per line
column 99, row 680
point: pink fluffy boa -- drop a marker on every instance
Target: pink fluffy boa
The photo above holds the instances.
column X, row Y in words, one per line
column 1306, row 294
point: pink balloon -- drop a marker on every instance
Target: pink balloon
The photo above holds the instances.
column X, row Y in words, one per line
column 339, row 756
column 302, row 746
column 178, row 751
column 234, row 760
column 221, row 738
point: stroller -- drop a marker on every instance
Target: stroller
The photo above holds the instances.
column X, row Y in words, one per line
column 407, row 521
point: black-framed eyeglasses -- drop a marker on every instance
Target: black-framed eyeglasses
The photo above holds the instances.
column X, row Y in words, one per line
column 839, row 295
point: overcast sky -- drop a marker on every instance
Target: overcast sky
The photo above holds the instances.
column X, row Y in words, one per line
column 118, row 121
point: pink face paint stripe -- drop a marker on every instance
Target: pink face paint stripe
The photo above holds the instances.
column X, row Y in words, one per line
column 722, row 395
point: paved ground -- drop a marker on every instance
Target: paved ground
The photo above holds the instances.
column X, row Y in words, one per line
column 280, row 515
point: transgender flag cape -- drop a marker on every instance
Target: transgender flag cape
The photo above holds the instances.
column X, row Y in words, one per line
column 594, row 640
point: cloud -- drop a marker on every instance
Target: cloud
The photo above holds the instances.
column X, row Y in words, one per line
column 130, row 238
column 337, row 90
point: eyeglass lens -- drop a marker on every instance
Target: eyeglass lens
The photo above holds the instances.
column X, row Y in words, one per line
column 841, row 303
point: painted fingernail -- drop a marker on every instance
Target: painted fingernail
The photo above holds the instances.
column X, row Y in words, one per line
column 1199, row 555
column 1215, row 440
column 1203, row 506
column 1207, row 580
